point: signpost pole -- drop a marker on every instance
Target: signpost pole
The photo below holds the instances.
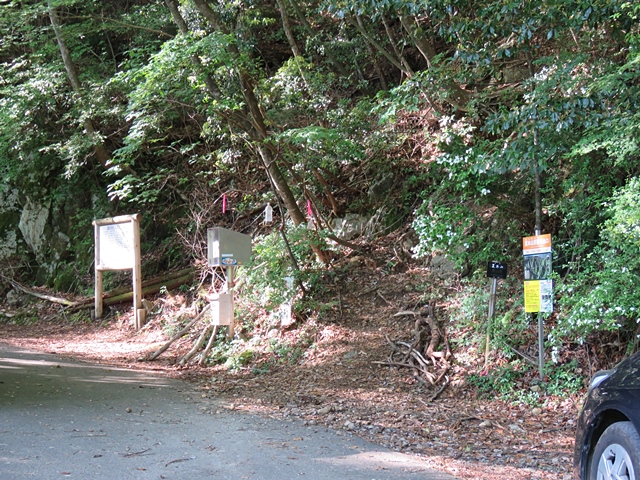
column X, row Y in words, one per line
column 538, row 285
column 495, row 270
column 540, row 323
column 540, row 347
column 231, row 273
column 492, row 310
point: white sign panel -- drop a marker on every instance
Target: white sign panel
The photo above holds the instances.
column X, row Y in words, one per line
column 116, row 250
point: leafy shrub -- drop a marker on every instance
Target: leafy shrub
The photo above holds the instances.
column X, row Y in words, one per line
column 285, row 351
column 603, row 296
column 506, row 383
column 563, row 379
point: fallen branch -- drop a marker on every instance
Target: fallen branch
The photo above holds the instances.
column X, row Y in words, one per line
column 162, row 349
column 23, row 289
column 421, row 354
column 440, row 390
column 207, row 349
column 166, row 277
column 151, row 286
column 118, row 295
column 197, row 345
column 528, row 358
column 427, row 375
column 402, row 313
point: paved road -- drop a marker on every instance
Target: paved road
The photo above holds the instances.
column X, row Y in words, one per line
column 63, row 419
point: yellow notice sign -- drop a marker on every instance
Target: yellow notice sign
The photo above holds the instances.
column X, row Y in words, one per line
column 538, row 296
column 532, row 296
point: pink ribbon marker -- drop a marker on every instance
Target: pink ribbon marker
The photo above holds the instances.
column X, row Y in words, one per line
column 224, row 203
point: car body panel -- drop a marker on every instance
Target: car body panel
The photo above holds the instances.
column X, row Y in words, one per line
column 615, row 399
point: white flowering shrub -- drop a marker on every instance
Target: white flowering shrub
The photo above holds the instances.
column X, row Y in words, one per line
column 459, row 215
column 605, row 294
column 443, row 228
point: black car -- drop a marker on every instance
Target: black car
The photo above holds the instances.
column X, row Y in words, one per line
column 607, row 440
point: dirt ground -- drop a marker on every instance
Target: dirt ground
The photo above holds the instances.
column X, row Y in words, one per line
column 340, row 381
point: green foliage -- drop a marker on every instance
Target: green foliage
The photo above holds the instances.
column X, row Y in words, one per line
column 286, row 352
column 234, row 355
column 602, row 296
column 510, row 326
column 443, row 228
column 563, row 379
column 616, row 132
column 505, row 383
column 273, row 280
column 509, row 89
column 238, row 360
column 511, row 382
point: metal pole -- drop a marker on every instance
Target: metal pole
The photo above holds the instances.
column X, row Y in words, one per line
column 540, row 347
column 540, row 323
column 492, row 310
column 230, row 289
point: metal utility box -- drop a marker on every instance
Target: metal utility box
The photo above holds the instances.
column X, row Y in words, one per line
column 228, row 248
column 221, row 309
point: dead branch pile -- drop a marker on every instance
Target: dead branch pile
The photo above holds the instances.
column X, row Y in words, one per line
column 207, row 331
column 427, row 354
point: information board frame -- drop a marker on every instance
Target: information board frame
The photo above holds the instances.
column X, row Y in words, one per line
column 117, row 247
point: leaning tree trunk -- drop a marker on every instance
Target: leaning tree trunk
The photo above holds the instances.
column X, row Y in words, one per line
column 286, row 25
column 258, row 130
column 309, row 30
column 99, row 151
column 458, row 97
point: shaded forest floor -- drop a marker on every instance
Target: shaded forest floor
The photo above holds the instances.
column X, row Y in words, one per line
column 334, row 381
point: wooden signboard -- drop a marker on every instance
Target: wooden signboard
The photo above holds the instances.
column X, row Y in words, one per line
column 117, row 247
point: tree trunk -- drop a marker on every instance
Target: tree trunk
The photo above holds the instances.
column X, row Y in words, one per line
column 305, row 24
column 235, row 118
column 357, row 22
column 376, row 65
column 425, row 47
column 457, row 96
column 286, row 25
column 258, row 134
column 184, row 29
column 74, row 79
column 393, row 42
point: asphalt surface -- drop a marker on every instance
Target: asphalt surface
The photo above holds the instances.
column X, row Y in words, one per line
column 66, row 419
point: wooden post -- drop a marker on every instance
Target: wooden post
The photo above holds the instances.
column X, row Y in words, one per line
column 139, row 311
column 98, row 286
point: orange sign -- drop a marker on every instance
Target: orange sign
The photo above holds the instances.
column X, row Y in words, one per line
column 536, row 244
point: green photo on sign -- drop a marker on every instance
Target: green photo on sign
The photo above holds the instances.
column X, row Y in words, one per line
column 537, row 267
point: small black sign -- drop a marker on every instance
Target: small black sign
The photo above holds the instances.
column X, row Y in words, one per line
column 496, row 270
